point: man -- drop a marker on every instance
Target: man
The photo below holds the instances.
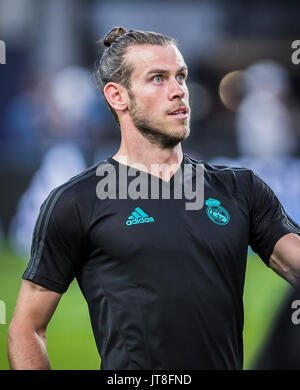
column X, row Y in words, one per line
column 163, row 283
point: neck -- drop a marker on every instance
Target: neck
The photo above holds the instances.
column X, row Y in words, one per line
column 136, row 150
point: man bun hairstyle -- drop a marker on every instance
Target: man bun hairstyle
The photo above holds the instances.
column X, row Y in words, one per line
column 112, row 35
column 112, row 66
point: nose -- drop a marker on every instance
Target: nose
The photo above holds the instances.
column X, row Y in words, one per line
column 176, row 91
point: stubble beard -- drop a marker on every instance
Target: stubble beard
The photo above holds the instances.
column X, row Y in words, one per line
column 154, row 134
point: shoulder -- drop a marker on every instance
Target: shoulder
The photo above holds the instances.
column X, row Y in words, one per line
column 231, row 181
column 218, row 171
column 78, row 192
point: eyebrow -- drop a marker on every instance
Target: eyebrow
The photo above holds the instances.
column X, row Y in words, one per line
column 165, row 71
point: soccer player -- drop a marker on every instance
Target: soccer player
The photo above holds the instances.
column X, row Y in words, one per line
column 163, row 282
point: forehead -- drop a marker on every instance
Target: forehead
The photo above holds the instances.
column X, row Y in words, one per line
column 147, row 57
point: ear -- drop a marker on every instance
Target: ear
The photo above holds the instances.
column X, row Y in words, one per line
column 116, row 96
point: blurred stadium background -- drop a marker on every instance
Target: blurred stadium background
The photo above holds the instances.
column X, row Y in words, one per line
column 245, row 97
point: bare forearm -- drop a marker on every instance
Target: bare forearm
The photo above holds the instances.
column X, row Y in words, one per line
column 27, row 351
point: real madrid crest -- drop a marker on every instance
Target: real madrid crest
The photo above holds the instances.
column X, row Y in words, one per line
column 216, row 212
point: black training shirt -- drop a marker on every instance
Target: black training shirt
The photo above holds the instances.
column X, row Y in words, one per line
column 164, row 284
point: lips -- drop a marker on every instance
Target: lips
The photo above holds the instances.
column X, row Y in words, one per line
column 180, row 112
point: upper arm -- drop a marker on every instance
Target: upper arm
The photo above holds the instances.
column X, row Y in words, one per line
column 285, row 258
column 58, row 242
column 35, row 307
column 269, row 223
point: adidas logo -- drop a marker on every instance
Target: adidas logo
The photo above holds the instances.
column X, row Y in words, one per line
column 138, row 216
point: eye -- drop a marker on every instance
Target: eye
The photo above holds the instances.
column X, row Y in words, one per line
column 180, row 77
column 157, row 78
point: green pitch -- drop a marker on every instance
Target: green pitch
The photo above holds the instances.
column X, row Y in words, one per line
column 70, row 340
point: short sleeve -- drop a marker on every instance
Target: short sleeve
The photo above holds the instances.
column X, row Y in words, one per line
column 58, row 243
column 268, row 219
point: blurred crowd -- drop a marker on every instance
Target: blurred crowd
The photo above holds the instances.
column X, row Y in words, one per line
column 49, row 110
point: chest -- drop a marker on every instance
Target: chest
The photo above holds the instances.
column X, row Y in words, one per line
column 126, row 228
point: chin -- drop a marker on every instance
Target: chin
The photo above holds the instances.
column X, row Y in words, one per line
column 184, row 133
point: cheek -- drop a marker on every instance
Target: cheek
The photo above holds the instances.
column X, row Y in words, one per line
column 151, row 101
column 153, row 105
column 186, row 92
